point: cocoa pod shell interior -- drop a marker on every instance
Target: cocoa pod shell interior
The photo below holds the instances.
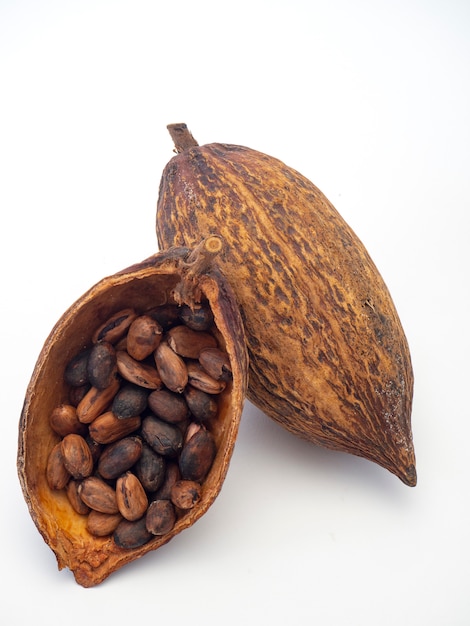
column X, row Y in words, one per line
column 143, row 286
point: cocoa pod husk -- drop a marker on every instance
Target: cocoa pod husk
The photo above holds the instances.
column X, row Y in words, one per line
column 329, row 359
column 175, row 277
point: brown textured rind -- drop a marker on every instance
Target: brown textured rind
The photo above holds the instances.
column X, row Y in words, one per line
column 328, row 356
column 144, row 285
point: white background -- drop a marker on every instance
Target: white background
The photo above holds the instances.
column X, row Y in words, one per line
column 371, row 101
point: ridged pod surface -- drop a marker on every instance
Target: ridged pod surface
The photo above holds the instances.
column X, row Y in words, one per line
column 165, row 278
column 329, row 359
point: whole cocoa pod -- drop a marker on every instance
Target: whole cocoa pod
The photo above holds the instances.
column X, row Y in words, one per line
column 178, row 277
column 329, row 359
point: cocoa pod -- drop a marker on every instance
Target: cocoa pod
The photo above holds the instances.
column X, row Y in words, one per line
column 162, row 285
column 329, row 361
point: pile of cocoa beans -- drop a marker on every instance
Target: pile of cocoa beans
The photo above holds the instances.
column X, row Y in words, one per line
column 135, row 434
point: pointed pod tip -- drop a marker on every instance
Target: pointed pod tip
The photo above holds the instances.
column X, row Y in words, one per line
column 409, row 476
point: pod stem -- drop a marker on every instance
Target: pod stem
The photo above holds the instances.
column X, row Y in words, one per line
column 198, row 262
column 182, row 137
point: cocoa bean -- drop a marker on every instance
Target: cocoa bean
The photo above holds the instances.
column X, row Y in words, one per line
column 162, row 437
column 74, row 498
column 203, row 406
column 168, row 406
column 101, row 366
column 77, row 456
column 131, row 498
column 143, row 337
column 129, row 401
column 160, row 517
column 189, row 343
column 98, row 495
column 115, row 327
column 172, row 475
column 119, row 456
column 200, row 379
column 197, row 456
column 198, row 317
column 129, row 535
column 150, row 469
column 216, row 363
column 57, row 475
column 166, row 315
column 185, row 494
column 107, row 428
column 171, row 367
column 96, row 401
column 64, row 421
column 102, row 524
column 76, row 370
column 138, row 373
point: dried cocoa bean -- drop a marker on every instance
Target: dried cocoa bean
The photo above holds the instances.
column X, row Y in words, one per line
column 138, row 373
column 197, row 318
column 98, row 495
column 107, row 428
column 216, row 363
column 203, row 406
column 74, row 498
column 172, row 475
column 185, row 494
column 197, row 456
column 76, row 370
column 171, row 367
column 200, row 379
column 162, row 437
column 77, row 456
column 143, row 337
column 129, row 535
column 115, row 327
column 129, row 401
column 102, row 524
column 160, row 517
column 131, row 498
column 64, row 421
column 168, row 405
column 102, row 366
column 57, row 475
column 96, row 401
column 166, row 315
column 150, row 469
column 119, row 456
column 189, row 343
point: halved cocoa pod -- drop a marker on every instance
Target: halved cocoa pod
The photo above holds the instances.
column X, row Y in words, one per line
column 178, row 277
